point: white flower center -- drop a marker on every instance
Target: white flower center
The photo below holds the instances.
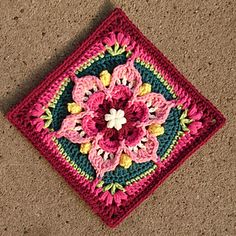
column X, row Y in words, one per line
column 115, row 119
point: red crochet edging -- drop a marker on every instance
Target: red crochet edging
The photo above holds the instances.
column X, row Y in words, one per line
column 168, row 70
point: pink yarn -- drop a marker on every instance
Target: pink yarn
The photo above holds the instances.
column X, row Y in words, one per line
column 108, row 143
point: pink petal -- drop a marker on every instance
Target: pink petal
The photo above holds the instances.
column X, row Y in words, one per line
column 68, row 129
column 98, row 162
column 38, row 123
column 159, row 109
column 110, row 40
column 146, row 153
column 126, row 41
column 109, row 142
column 83, row 85
column 120, row 37
column 131, row 134
column 120, row 96
column 36, row 111
column 137, row 112
column 128, row 72
column 194, row 114
column 95, row 100
column 119, row 196
column 89, row 126
column 106, row 197
column 193, row 110
column 194, row 127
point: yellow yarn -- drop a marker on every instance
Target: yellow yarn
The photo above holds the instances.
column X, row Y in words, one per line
column 85, row 148
column 156, row 129
column 125, row 161
column 144, row 89
column 105, row 77
column 74, row 108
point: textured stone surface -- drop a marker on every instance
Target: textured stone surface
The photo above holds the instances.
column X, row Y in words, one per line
column 198, row 37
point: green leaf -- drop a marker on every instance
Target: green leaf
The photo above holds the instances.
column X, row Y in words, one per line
column 107, row 187
column 187, row 121
column 116, row 47
column 47, row 123
column 100, row 184
column 184, row 114
column 45, row 117
column 110, row 50
column 113, row 189
column 120, row 187
column 48, row 112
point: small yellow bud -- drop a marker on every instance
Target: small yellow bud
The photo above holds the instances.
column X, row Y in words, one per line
column 74, row 108
column 85, row 148
column 105, row 77
column 156, row 129
column 144, row 89
column 125, row 161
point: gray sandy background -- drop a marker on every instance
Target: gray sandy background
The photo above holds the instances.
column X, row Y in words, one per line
column 198, row 37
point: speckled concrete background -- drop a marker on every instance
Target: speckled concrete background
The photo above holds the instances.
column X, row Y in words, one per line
column 198, row 37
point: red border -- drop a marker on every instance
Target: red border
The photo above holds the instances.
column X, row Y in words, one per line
column 117, row 13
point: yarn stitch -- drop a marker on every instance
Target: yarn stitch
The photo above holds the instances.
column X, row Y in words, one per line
column 116, row 118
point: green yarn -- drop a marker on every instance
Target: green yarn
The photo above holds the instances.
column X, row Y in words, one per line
column 172, row 126
column 81, row 160
column 60, row 111
column 108, row 62
column 119, row 175
column 149, row 77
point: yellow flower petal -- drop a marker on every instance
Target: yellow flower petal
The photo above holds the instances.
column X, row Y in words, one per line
column 144, row 89
column 74, row 108
column 156, row 129
column 125, row 161
column 85, row 148
column 105, row 77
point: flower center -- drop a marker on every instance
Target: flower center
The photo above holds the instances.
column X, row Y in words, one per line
column 115, row 119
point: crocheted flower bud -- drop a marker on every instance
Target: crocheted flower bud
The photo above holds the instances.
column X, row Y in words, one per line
column 85, row 148
column 74, row 108
column 156, row 129
column 125, row 161
column 144, row 89
column 105, row 77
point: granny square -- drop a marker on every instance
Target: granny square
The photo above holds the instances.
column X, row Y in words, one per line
column 116, row 118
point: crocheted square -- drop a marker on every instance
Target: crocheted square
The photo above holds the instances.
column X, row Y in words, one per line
column 116, row 118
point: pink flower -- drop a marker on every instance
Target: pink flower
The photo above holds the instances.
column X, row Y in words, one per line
column 115, row 119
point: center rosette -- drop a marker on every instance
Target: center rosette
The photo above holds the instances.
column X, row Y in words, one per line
column 115, row 119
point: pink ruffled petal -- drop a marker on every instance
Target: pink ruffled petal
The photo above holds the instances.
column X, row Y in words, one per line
column 110, row 40
column 131, row 134
column 109, row 142
column 194, row 114
column 89, row 126
column 159, row 107
column 127, row 75
column 106, row 197
column 38, row 123
column 119, row 196
column 101, row 160
column 120, row 94
column 137, row 112
column 95, row 100
column 145, row 150
column 37, row 110
column 194, row 127
column 71, row 129
column 84, row 88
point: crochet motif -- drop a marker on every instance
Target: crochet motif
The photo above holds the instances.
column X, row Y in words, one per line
column 116, row 118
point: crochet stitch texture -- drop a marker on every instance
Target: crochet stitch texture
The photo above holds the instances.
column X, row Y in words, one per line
column 116, row 118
